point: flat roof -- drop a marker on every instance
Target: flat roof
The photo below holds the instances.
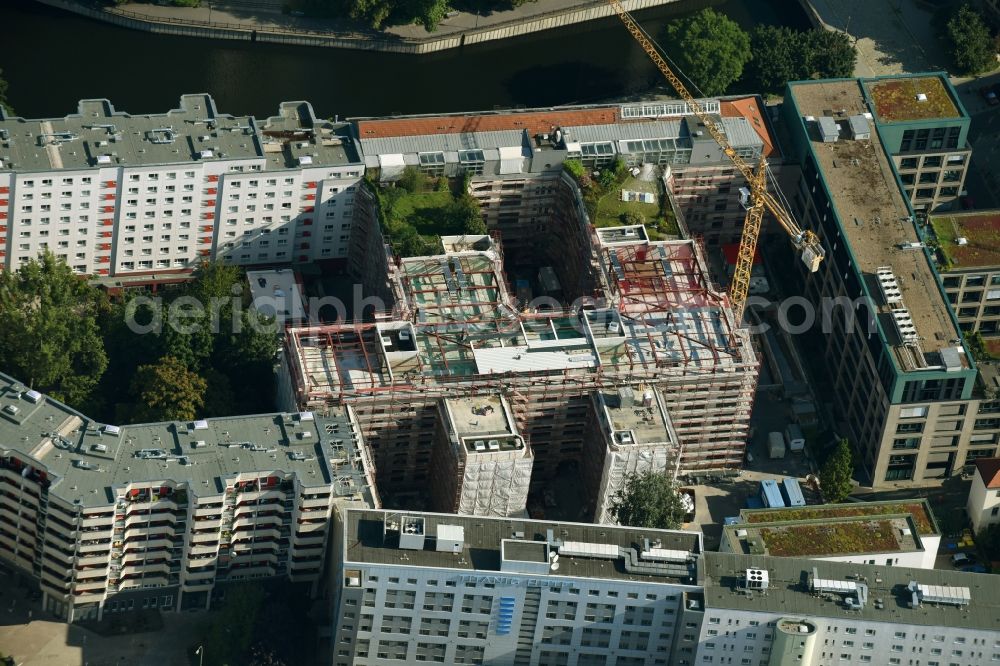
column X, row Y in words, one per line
column 906, row 99
column 98, row 135
column 647, row 424
column 788, row 593
column 296, row 137
column 85, row 462
column 365, row 543
column 277, row 294
column 923, row 519
column 877, row 222
column 981, row 230
column 827, row 537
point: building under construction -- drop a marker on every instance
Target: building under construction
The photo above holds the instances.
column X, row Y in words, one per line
column 460, row 379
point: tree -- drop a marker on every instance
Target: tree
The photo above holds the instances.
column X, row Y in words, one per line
column 49, row 335
column 835, row 474
column 710, row 49
column 167, row 391
column 969, row 40
column 649, row 500
column 4, row 102
column 781, row 54
column 829, row 54
column 631, row 218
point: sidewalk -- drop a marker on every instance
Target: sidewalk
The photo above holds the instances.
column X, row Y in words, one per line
column 892, row 36
column 263, row 18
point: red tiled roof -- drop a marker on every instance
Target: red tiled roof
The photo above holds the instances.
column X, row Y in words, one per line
column 536, row 122
column 542, row 122
column 989, row 469
column 750, row 108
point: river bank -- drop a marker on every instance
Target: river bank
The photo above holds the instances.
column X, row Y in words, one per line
column 461, row 29
column 53, row 58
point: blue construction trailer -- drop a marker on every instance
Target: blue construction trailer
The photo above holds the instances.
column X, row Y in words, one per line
column 770, row 495
column 791, row 492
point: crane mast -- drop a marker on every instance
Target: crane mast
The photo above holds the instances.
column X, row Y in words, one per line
column 805, row 241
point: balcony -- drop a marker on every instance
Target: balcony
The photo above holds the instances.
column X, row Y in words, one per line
column 91, row 560
column 149, row 531
column 315, row 502
column 60, row 582
column 103, row 522
column 144, row 569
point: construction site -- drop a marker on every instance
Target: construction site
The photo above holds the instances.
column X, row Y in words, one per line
column 461, row 387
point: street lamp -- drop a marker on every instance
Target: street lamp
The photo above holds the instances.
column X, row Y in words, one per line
column 201, row 654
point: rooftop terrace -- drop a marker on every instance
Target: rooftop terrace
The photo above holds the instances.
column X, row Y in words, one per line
column 981, row 232
column 922, row 517
column 85, row 461
column 912, row 98
column 607, row 547
column 827, row 537
column 877, row 222
column 296, row 138
column 888, row 599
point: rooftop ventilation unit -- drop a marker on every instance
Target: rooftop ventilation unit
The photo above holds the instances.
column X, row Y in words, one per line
column 111, row 430
column 889, row 285
column 32, row 396
column 493, row 445
column 756, row 579
column 904, row 325
column 859, row 127
column 411, row 533
column 450, row 539
column 200, row 425
column 829, row 132
column 479, row 445
column 939, row 594
column 583, row 549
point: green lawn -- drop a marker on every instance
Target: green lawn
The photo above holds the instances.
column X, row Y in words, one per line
column 610, row 208
column 945, row 232
column 422, row 209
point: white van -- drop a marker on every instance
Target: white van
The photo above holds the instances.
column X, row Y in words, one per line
column 794, row 437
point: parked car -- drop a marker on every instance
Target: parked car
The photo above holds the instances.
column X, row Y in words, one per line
column 963, row 559
column 974, row 568
column 989, row 95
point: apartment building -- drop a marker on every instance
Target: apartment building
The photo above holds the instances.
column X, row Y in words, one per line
column 514, row 158
column 772, row 611
column 969, row 262
column 902, row 386
column 924, row 127
column 983, row 505
column 110, row 519
column 136, row 199
column 470, row 590
column 901, row 533
column 659, row 328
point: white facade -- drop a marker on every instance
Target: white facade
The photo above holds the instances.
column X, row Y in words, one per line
column 121, row 195
column 748, row 637
column 984, row 502
column 401, row 605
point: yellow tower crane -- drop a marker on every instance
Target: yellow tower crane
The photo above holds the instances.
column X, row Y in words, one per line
column 805, row 241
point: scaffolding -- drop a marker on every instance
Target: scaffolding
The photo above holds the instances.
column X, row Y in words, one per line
column 660, row 323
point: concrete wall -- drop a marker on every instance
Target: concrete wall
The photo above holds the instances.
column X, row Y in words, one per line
column 981, row 503
column 587, row 11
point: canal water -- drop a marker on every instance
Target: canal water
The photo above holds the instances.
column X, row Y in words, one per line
column 52, row 58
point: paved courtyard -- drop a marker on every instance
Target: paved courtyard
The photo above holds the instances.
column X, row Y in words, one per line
column 892, row 36
column 32, row 637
